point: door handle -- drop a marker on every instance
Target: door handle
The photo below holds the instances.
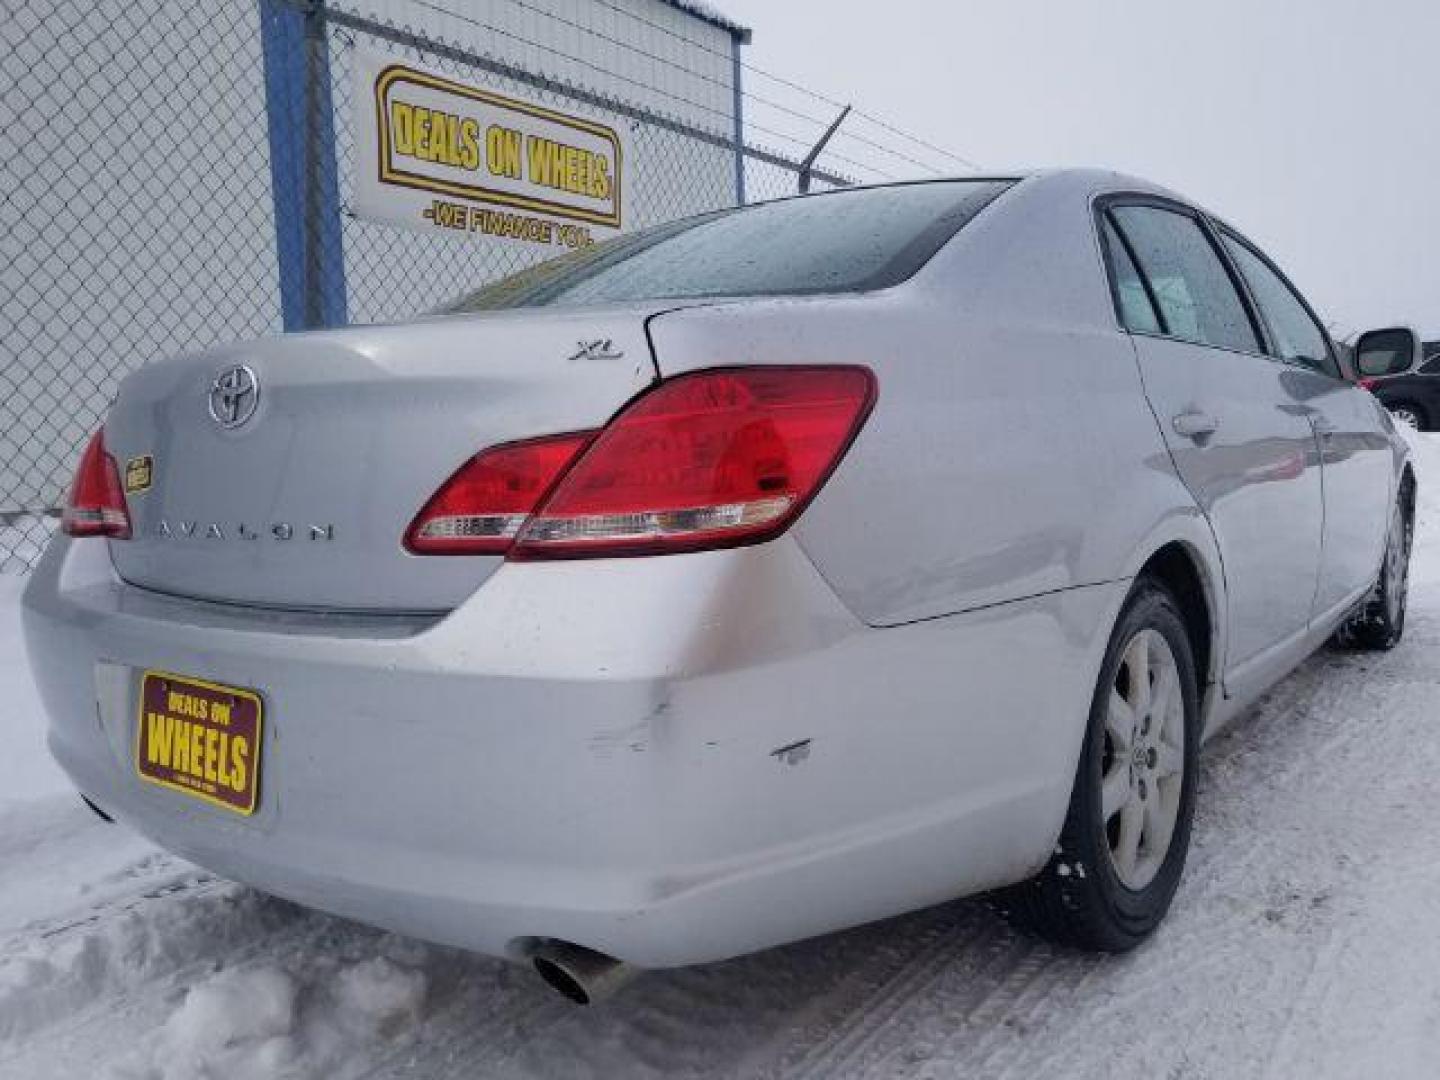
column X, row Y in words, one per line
column 1324, row 426
column 1195, row 424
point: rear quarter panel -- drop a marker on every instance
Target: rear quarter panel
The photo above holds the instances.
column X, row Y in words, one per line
column 1011, row 451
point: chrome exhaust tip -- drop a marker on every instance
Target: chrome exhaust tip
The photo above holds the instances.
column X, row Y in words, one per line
column 580, row 974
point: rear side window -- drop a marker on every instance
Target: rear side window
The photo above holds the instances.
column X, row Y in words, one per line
column 1298, row 338
column 843, row 241
column 1197, row 300
column 1131, row 299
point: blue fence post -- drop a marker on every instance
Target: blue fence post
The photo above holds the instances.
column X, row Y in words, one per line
column 304, row 180
column 736, row 40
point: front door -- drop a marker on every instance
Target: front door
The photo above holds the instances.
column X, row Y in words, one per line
column 1356, row 458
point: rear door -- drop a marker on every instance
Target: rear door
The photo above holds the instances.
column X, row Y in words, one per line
column 1355, row 450
column 1236, row 423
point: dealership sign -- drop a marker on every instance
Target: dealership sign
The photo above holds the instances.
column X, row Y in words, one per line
column 436, row 154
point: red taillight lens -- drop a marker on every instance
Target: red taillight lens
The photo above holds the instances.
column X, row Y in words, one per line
column 96, row 506
column 1367, row 384
column 479, row 510
column 711, row 459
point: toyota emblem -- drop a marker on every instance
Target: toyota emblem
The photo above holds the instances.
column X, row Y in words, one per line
column 233, row 396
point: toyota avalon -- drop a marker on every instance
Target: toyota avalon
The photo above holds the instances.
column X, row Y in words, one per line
column 731, row 582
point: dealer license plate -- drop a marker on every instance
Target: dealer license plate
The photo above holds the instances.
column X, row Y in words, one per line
column 201, row 739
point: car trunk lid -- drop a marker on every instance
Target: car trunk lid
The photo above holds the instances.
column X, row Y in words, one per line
column 305, row 503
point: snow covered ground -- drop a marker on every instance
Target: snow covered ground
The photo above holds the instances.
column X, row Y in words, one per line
column 1305, row 941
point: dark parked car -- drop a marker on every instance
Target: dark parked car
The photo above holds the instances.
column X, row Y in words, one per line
column 1413, row 398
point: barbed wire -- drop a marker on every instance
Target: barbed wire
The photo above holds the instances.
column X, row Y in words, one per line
column 649, row 87
column 342, row 21
column 790, row 84
column 750, row 96
column 821, row 123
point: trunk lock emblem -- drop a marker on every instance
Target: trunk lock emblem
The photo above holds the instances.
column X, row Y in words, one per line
column 233, row 396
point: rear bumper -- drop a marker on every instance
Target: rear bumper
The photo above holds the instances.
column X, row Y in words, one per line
column 594, row 752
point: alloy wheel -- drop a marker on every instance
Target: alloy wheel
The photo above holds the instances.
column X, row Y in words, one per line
column 1143, row 762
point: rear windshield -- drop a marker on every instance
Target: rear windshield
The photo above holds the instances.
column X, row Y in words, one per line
column 842, row 241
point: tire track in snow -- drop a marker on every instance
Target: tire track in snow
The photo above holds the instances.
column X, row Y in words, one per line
column 480, row 1018
column 852, row 1021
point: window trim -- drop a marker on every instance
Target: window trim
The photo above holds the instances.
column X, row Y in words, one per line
column 1102, row 204
column 1222, row 229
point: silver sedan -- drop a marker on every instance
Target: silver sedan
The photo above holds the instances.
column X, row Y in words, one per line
column 731, row 582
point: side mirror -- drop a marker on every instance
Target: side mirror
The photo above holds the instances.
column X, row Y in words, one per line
column 1396, row 350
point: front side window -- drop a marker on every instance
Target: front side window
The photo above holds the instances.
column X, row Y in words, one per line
column 1197, row 300
column 842, row 241
column 1298, row 338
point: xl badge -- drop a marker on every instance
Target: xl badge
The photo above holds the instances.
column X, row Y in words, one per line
column 233, row 396
column 599, row 349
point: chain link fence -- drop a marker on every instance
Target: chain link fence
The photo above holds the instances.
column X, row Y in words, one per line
column 134, row 218
column 139, row 198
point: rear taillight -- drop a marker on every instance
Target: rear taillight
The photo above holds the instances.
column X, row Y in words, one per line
column 705, row 460
column 96, row 506
column 1367, row 384
column 480, row 509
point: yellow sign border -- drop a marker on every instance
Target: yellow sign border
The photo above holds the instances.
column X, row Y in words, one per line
column 219, row 688
column 391, row 175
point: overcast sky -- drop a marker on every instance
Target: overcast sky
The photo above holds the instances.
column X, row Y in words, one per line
column 1313, row 126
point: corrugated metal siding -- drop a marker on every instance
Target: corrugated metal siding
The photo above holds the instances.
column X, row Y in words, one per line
column 705, row 12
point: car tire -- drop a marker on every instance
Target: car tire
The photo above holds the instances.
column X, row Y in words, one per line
column 1380, row 622
column 1095, row 892
column 1406, row 412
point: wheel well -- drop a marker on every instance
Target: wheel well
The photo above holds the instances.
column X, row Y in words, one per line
column 1175, row 567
